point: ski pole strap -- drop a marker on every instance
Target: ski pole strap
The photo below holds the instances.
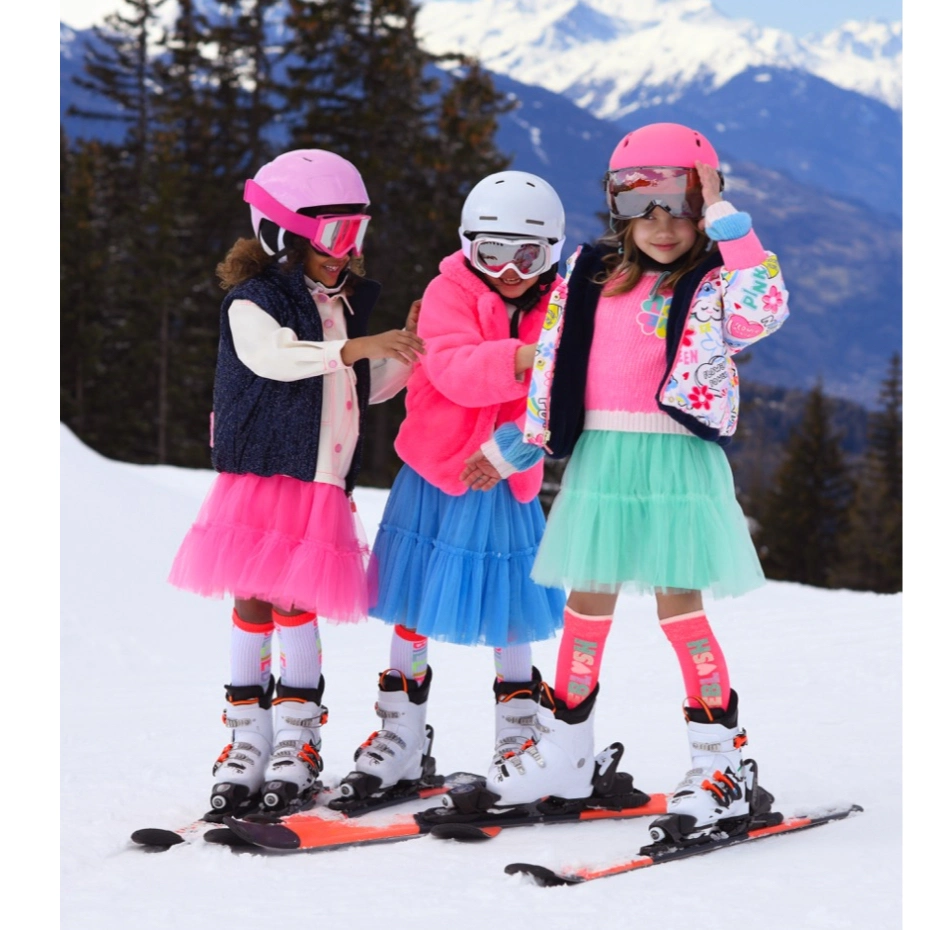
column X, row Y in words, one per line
column 536, row 426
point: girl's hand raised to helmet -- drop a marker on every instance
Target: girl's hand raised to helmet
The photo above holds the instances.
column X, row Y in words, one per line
column 710, row 183
column 395, row 343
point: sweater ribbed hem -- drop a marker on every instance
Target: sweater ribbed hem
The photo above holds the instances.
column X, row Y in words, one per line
column 626, row 421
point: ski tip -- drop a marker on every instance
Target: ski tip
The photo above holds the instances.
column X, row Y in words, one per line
column 463, row 832
column 155, row 838
column 267, row 835
column 223, row 836
column 542, row 876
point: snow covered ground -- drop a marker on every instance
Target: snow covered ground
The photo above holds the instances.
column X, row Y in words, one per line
column 142, row 671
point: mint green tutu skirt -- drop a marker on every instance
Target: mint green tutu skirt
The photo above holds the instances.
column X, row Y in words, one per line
column 647, row 511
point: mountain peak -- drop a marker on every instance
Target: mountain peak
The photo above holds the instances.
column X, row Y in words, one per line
column 614, row 56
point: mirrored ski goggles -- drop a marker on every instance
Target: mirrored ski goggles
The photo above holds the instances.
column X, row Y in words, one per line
column 339, row 234
column 495, row 254
column 333, row 234
column 635, row 192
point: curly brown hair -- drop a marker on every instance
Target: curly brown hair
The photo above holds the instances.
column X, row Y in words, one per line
column 247, row 258
column 625, row 268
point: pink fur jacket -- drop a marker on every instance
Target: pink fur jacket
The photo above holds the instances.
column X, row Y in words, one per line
column 464, row 386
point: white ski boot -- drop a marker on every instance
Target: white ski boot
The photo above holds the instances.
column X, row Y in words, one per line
column 398, row 755
column 720, row 793
column 239, row 770
column 559, row 763
column 515, row 715
column 292, row 771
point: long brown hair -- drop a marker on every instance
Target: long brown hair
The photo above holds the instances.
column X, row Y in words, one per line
column 625, row 266
column 247, row 258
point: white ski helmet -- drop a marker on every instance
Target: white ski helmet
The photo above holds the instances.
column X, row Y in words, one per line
column 514, row 203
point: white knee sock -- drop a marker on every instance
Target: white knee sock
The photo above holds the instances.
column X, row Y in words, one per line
column 409, row 653
column 250, row 652
column 300, row 649
column 514, row 663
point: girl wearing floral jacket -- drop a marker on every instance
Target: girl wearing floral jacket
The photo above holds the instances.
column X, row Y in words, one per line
column 644, row 395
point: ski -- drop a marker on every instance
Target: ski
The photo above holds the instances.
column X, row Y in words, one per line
column 207, row 829
column 158, row 839
column 658, row 853
column 213, row 831
column 343, row 821
column 468, row 812
column 445, row 825
column 315, row 832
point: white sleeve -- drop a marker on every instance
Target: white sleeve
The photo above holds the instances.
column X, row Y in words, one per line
column 275, row 352
column 388, row 378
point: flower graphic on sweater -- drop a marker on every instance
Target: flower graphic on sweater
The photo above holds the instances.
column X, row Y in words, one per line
column 700, row 397
column 772, row 300
column 653, row 318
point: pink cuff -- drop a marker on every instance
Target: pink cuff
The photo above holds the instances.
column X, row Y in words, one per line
column 746, row 252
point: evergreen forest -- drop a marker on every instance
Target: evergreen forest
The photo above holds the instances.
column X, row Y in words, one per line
column 203, row 104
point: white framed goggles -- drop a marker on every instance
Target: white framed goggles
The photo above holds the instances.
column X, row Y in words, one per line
column 335, row 234
column 636, row 192
column 493, row 255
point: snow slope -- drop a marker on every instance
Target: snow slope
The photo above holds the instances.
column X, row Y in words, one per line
column 142, row 670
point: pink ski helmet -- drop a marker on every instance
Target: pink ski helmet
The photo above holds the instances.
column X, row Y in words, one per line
column 287, row 193
column 663, row 144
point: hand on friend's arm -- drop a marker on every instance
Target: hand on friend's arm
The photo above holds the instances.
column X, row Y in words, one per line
column 395, row 343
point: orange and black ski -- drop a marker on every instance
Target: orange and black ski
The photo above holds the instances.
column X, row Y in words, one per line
column 656, row 854
column 319, row 830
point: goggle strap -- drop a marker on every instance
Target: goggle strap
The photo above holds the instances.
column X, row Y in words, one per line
column 258, row 197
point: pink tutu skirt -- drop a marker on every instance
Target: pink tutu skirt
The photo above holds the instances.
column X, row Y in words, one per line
column 289, row 542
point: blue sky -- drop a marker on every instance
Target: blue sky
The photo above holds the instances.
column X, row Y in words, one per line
column 805, row 16
column 797, row 16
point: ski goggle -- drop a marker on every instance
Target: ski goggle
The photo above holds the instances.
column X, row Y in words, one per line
column 636, row 192
column 339, row 234
column 334, row 234
column 493, row 255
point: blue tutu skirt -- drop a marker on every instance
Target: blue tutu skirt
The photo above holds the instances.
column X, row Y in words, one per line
column 458, row 568
column 648, row 511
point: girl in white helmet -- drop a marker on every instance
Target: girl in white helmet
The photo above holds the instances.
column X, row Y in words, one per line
column 295, row 374
column 450, row 563
column 644, row 395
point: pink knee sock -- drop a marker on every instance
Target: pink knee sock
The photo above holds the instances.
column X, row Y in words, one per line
column 703, row 666
column 580, row 653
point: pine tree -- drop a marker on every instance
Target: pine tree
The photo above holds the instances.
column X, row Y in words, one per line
column 203, row 150
column 805, row 514
column 872, row 553
column 206, row 102
column 117, row 68
column 84, row 267
column 360, row 84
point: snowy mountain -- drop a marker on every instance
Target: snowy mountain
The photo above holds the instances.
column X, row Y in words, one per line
column 796, row 148
column 142, row 672
column 614, row 57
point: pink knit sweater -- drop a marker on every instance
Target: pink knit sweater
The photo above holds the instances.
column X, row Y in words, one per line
column 627, row 361
column 464, row 387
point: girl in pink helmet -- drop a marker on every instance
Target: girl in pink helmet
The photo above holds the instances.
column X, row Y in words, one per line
column 644, row 396
column 449, row 563
column 296, row 371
